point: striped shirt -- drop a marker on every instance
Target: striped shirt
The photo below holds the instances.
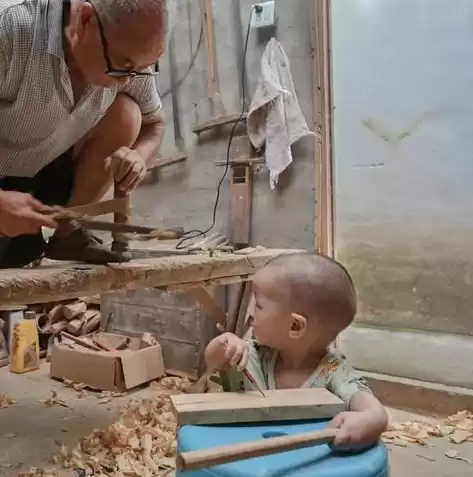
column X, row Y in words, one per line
column 39, row 119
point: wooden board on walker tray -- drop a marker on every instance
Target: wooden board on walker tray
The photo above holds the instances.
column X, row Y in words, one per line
column 277, row 405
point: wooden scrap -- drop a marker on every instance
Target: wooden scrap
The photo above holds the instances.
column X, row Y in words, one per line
column 71, row 310
column 92, row 301
column 6, row 401
column 56, row 328
column 75, row 326
column 53, row 400
column 91, row 321
column 102, row 344
column 279, row 405
column 84, row 342
column 55, row 314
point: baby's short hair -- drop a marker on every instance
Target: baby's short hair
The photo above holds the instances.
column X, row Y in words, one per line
column 316, row 286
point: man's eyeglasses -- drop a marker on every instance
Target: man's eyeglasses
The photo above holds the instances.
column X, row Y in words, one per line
column 117, row 72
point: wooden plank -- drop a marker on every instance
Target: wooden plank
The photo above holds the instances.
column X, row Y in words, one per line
column 277, row 405
column 219, row 121
column 167, row 161
column 60, row 280
column 323, row 125
column 241, row 187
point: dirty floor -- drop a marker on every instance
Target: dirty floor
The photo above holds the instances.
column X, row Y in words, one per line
column 30, row 432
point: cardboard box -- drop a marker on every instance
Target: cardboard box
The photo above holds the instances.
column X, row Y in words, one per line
column 108, row 370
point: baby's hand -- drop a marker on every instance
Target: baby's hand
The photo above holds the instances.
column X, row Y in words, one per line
column 227, row 351
column 356, row 430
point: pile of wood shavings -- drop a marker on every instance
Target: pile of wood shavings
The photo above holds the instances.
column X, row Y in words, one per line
column 6, row 401
column 458, row 429
column 141, row 443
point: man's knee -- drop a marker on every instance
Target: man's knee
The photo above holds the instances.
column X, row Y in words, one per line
column 125, row 120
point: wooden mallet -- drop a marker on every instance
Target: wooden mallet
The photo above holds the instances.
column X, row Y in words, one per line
column 200, row 459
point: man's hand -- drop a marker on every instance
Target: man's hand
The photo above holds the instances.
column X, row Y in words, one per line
column 227, row 351
column 22, row 214
column 128, row 167
column 357, row 430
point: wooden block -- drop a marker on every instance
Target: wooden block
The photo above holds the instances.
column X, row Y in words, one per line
column 75, row 326
column 241, row 186
column 72, row 310
column 57, row 327
column 55, row 314
column 92, row 321
column 280, row 405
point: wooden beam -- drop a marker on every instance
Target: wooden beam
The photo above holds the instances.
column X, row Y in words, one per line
column 278, row 405
column 59, row 280
column 161, row 162
column 219, row 122
column 323, row 125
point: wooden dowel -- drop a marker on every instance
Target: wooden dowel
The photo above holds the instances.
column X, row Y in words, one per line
column 200, row 459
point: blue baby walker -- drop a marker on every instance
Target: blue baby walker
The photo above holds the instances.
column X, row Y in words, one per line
column 315, row 461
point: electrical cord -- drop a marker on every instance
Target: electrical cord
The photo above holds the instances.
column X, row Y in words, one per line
column 192, row 234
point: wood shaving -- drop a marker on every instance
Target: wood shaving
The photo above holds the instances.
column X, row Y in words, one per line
column 453, row 454
column 6, row 401
column 53, row 400
column 142, row 443
column 171, row 383
column 458, row 429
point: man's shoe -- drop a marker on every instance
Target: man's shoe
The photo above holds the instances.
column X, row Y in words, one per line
column 81, row 246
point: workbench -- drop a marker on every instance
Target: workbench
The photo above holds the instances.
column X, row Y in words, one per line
column 56, row 281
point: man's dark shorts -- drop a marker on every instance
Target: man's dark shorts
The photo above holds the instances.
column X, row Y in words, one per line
column 52, row 186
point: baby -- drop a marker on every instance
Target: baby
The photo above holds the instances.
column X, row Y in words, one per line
column 303, row 302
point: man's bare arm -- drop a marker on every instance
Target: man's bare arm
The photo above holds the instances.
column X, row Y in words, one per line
column 150, row 139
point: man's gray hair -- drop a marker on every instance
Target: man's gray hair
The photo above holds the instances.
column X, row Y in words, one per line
column 115, row 11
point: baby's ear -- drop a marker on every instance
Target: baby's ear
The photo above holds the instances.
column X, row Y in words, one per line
column 298, row 326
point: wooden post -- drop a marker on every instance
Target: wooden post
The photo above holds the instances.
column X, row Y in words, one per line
column 322, row 111
column 120, row 243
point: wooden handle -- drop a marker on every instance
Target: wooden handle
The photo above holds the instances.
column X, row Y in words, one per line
column 200, row 459
column 120, row 243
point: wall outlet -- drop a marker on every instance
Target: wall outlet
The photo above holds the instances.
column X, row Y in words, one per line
column 264, row 14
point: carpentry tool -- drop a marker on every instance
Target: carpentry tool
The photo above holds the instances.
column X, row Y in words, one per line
column 119, row 206
column 200, row 459
column 219, row 117
column 252, row 380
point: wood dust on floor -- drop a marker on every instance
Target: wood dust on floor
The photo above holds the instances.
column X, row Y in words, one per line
column 49, row 428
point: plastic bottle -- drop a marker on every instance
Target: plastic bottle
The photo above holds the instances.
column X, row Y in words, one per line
column 24, row 354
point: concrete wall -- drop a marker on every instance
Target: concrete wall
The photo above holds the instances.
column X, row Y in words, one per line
column 185, row 194
column 403, row 78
